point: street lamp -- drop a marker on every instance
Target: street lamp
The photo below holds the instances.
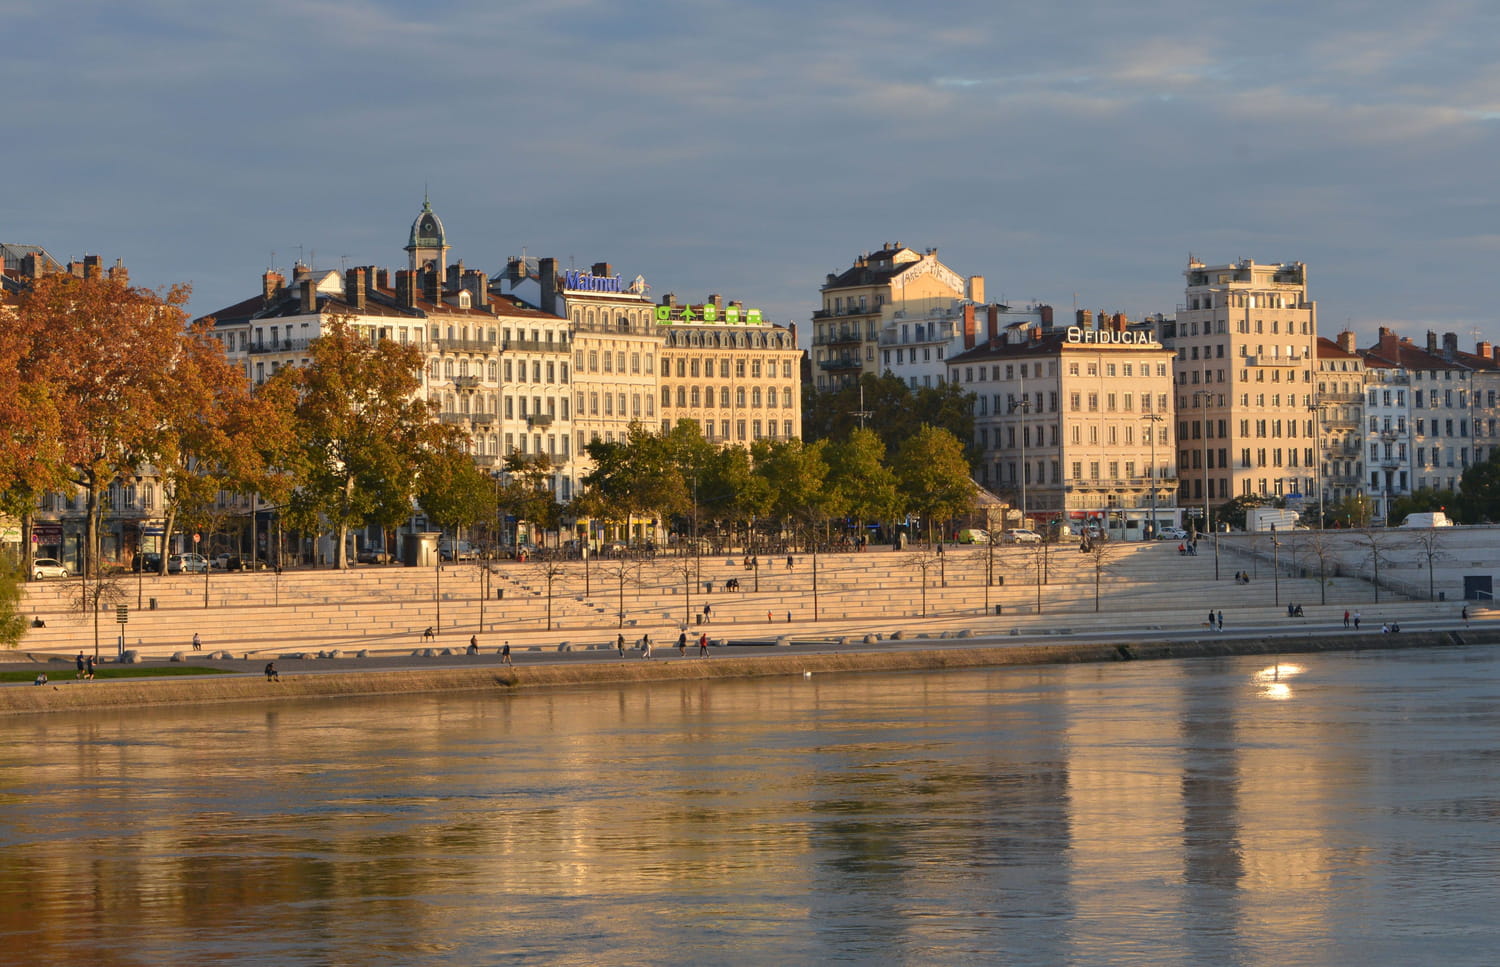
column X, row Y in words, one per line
column 1203, row 425
column 1316, row 409
column 1025, row 407
column 1276, row 565
column 1151, row 419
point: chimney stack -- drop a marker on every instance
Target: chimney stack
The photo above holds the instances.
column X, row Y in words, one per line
column 270, row 285
column 1432, row 342
column 406, row 289
column 969, row 327
column 601, row 270
column 1482, row 350
column 547, row 272
column 993, row 322
column 976, row 288
column 309, row 296
column 1346, row 340
column 118, row 273
column 1046, row 317
column 1450, row 343
column 354, row 289
column 1084, row 319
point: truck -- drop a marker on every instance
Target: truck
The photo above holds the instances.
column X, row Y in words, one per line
column 1434, row 519
column 1269, row 518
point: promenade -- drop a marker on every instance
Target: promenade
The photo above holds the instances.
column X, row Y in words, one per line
column 1036, row 593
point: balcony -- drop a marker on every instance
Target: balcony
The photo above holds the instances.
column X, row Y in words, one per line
column 844, row 337
column 279, row 346
column 1296, row 359
column 539, row 420
column 485, row 459
column 839, row 364
column 464, row 345
column 482, row 417
column 465, row 382
column 453, row 419
column 533, row 346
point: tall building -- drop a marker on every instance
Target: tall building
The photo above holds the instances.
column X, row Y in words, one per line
column 736, row 374
column 858, row 303
column 1075, row 424
column 1245, row 339
column 1338, row 412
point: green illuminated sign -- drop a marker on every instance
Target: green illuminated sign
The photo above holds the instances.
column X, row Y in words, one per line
column 733, row 315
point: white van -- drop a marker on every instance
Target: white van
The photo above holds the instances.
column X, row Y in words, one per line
column 1434, row 519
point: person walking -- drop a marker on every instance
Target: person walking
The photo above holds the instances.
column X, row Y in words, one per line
column 1466, row 615
column 1221, row 621
column 1211, row 623
column 197, row 642
column 473, row 644
column 79, row 676
column 88, row 668
column 620, row 644
column 505, row 654
column 682, row 644
column 1346, row 617
column 703, row 645
column 646, row 646
column 1356, row 621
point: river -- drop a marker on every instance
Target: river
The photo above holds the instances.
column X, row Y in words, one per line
column 1332, row 809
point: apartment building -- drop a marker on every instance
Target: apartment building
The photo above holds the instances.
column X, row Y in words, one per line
column 1245, row 343
column 1338, row 412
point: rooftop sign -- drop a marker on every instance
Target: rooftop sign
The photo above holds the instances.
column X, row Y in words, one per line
column 708, row 312
column 1077, row 334
column 577, row 281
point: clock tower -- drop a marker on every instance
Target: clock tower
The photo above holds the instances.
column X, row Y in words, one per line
column 427, row 249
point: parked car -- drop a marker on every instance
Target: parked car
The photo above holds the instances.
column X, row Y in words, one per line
column 1172, row 534
column 451, row 550
column 47, row 567
column 373, row 555
column 973, row 535
column 188, row 563
column 1022, row 535
column 149, row 562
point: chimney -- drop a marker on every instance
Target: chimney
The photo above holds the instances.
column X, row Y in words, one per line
column 601, row 270
column 993, row 322
column 406, row 289
column 1432, row 343
column 1346, row 341
column 354, row 289
column 93, row 267
column 32, row 265
column 432, row 286
column 1118, row 322
column 119, row 273
column 1450, row 343
column 382, row 278
column 1482, row 350
column 716, row 300
column 1046, row 316
column 309, row 296
column 270, row 285
column 547, row 271
column 300, row 272
column 968, row 327
column 792, row 328
column 976, row 288
column 481, row 289
column 1083, row 318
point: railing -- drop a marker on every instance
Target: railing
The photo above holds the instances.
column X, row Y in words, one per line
column 453, row 418
column 464, row 345
column 465, row 382
column 482, row 417
column 845, row 362
column 539, row 419
column 534, row 346
column 1295, row 359
column 838, row 338
column 485, row 459
column 279, row 346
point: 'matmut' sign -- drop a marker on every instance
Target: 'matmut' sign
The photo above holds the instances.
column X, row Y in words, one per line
column 1107, row 336
column 576, row 281
column 708, row 312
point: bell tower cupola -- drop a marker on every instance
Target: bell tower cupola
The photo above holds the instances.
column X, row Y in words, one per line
column 427, row 249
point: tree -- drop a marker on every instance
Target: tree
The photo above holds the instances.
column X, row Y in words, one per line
column 1355, row 511
column 934, row 476
column 12, row 622
column 1479, row 491
column 1234, row 512
column 898, row 411
column 1428, row 543
column 636, row 477
column 528, row 491
column 1378, row 545
column 1422, row 500
column 865, row 486
column 364, row 434
column 451, row 490
column 795, row 478
column 103, row 350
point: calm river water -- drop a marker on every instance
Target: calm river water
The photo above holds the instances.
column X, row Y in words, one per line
column 1162, row 813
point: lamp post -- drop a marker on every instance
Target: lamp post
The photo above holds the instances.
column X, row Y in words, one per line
column 1151, row 419
column 1316, row 409
column 1203, row 424
column 1276, row 566
column 1024, row 405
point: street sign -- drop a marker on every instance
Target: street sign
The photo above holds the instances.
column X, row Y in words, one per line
column 122, row 613
column 197, row 538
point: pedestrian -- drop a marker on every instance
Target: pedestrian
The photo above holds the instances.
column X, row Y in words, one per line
column 505, row 654
column 197, row 642
column 1291, row 610
column 1221, row 621
column 1356, row 621
column 79, row 676
column 646, row 646
column 272, row 675
column 88, row 668
column 708, row 613
column 1346, row 617
column 1211, row 618
column 703, row 645
column 788, row 617
column 789, row 562
column 473, row 644
column 1466, row 614
column 620, row 644
column 768, row 617
column 41, row 678
column 682, row 644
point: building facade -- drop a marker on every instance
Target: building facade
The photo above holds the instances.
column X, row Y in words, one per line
column 1338, row 412
column 1075, row 424
column 1245, row 341
column 858, row 303
column 735, row 374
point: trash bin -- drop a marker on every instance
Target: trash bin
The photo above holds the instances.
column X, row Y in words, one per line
column 699, row 617
column 999, row 608
column 1442, row 595
column 153, row 604
column 499, row 594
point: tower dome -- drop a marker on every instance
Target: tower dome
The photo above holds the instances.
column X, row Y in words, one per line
column 427, row 230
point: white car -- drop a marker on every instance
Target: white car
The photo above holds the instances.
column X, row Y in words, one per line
column 46, row 567
column 1172, row 534
column 1022, row 535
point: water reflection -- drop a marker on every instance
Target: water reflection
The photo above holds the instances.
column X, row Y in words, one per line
column 1274, row 682
column 1156, row 813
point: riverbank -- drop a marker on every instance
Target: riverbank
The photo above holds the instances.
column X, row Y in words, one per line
column 349, row 678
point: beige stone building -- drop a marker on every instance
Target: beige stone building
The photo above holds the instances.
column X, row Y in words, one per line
column 862, row 302
column 737, row 375
column 1074, row 424
column 1245, row 341
column 1337, row 409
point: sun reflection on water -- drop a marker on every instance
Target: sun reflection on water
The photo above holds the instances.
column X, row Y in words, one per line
column 1273, row 682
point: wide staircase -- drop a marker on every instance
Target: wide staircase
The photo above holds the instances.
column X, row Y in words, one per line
column 388, row 609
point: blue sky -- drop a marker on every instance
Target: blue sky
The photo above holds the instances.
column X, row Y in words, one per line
column 749, row 149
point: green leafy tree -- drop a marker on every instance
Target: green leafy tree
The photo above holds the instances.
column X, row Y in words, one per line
column 528, row 493
column 933, row 476
column 1423, row 500
column 1479, row 491
column 866, row 487
column 364, row 433
column 1234, row 512
column 893, row 408
column 12, row 622
column 451, row 489
column 1356, row 511
column 795, row 476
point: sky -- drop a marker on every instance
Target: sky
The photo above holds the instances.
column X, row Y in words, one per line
column 1071, row 153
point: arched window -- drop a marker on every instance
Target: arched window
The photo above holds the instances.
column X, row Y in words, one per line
column 786, row 398
column 494, row 371
column 755, row 396
column 681, row 397
column 739, row 396
column 463, row 367
column 447, row 369
column 697, row 396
